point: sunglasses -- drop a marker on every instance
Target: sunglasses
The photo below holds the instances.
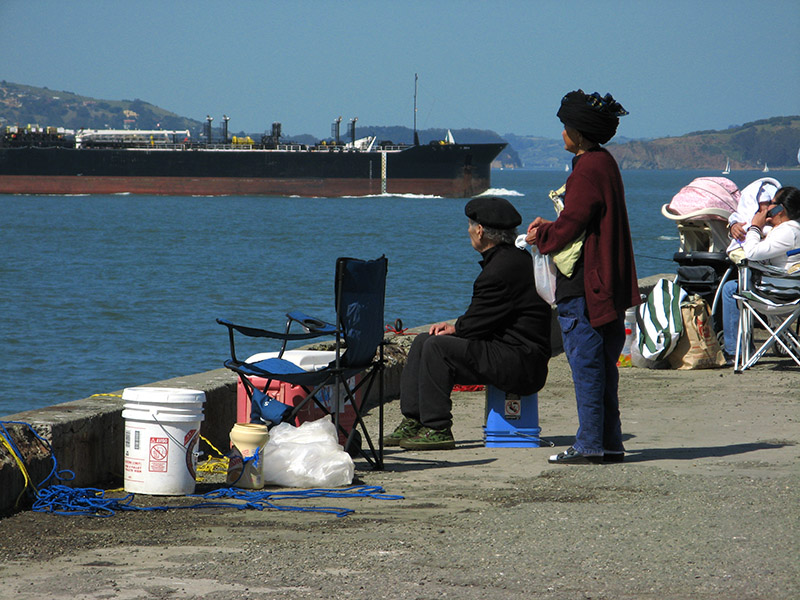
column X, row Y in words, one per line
column 774, row 210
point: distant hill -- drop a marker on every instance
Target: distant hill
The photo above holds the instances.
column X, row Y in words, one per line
column 508, row 158
column 24, row 104
column 538, row 152
column 772, row 141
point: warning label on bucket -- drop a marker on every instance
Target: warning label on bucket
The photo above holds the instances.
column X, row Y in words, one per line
column 159, row 452
column 513, row 408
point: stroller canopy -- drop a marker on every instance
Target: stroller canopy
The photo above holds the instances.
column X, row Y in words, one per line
column 704, row 198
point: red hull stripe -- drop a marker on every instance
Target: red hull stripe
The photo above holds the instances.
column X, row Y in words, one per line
column 229, row 186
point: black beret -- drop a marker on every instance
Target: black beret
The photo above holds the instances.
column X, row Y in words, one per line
column 494, row 212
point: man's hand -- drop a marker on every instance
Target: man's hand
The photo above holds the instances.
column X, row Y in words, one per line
column 442, row 329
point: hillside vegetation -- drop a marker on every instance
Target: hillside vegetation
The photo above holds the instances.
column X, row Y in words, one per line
column 27, row 105
column 772, row 141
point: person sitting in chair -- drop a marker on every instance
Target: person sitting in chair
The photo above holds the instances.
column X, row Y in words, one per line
column 758, row 193
column 783, row 214
column 503, row 338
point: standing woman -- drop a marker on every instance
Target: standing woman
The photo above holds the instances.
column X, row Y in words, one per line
column 592, row 301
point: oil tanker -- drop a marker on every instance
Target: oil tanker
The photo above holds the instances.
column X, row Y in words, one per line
column 167, row 162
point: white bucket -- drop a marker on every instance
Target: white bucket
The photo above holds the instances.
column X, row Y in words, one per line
column 244, row 465
column 162, row 427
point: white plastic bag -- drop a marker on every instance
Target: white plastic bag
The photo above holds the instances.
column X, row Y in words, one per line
column 544, row 272
column 306, row 456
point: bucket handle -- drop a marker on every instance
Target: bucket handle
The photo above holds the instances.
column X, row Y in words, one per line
column 154, row 414
column 535, row 438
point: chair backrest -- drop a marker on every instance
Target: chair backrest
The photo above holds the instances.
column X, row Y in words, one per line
column 360, row 295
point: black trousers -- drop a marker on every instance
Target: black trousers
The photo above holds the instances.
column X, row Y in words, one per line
column 434, row 364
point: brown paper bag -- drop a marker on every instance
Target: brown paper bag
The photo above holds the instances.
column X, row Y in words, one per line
column 698, row 347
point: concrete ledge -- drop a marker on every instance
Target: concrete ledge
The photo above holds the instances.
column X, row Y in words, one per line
column 87, row 436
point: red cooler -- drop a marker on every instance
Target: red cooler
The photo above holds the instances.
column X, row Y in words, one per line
column 292, row 395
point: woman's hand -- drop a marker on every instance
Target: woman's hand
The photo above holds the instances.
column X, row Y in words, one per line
column 533, row 230
column 760, row 218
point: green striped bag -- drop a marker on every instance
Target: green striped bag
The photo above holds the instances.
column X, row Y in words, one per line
column 659, row 322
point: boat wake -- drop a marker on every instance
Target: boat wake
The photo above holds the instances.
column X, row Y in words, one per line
column 409, row 196
column 501, row 192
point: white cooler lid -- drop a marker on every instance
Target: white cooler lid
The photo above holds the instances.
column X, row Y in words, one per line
column 308, row 360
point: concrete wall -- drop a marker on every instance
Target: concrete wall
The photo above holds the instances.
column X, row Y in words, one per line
column 87, row 436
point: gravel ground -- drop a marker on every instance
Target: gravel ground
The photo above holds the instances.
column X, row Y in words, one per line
column 705, row 506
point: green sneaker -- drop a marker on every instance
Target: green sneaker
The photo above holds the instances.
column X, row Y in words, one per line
column 430, row 439
column 408, row 428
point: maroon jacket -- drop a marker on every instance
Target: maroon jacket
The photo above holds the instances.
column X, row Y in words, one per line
column 594, row 202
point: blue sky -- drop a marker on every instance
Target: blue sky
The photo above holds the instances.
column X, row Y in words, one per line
column 677, row 66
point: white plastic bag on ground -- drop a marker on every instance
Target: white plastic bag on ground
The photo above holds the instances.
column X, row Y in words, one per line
column 306, row 456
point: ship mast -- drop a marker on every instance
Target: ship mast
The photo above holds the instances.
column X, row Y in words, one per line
column 416, row 136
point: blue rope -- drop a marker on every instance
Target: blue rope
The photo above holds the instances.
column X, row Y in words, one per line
column 63, row 475
column 260, row 499
column 64, row 500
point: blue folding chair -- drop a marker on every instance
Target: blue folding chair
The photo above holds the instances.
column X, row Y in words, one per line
column 360, row 290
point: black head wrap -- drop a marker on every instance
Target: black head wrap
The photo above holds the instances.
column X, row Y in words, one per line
column 594, row 116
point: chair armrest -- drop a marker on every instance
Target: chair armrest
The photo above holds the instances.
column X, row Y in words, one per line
column 264, row 333
column 311, row 324
column 766, row 269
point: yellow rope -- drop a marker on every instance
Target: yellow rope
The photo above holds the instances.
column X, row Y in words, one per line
column 107, row 395
column 213, row 464
column 22, row 468
column 213, row 447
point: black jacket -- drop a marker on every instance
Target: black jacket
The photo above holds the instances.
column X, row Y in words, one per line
column 507, row 323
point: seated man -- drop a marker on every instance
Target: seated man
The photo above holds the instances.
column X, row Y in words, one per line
column 782, row 214
column 502, row 339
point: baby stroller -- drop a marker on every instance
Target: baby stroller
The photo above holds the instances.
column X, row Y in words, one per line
column 700, row 210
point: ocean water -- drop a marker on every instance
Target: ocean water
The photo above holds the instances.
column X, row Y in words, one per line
column 98, row 293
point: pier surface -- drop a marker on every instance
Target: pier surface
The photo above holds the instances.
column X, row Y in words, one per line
column 705, row 506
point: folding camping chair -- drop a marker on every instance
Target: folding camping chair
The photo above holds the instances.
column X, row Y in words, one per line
column 360, row 289
column 700, row 210
column 771, row 297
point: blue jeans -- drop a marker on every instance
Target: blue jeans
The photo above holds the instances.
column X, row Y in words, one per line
column 592, row 354
column 730, row 315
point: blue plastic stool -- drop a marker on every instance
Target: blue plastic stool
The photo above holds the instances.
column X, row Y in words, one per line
column 512, row 421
